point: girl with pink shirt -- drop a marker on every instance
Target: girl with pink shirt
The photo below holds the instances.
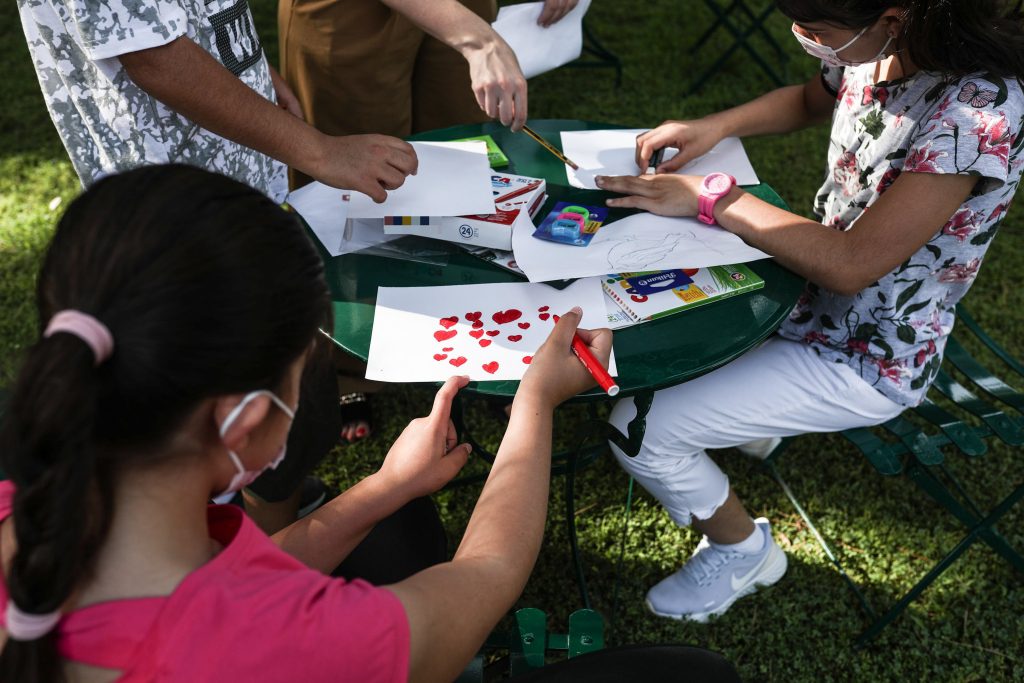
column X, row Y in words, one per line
column 179, row 308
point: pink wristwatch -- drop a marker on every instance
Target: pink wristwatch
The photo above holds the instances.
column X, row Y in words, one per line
column 714, row 187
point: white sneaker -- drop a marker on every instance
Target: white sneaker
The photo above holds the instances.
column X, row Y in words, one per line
column 760, row 448
column 713, row 579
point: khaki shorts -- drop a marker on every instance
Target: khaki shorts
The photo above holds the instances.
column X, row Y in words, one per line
column 359, row 67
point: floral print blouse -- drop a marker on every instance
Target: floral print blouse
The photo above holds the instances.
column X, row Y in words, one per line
column 894, row 331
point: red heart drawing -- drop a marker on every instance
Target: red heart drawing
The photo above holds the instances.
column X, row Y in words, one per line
column 473, row 316
column 527, row 359
column 476, row 334
column 491, row 367
column 556, row 318
column 442, row 335
column 543, row 308
column 448, row 322
column 485, row 343
column 515, row 337
column 448, row 348
column 524, row 326
column 458, row 361
column 440, row 356
column 502, row 317
column 544, row 316
column 493, row 333
column 478, row 324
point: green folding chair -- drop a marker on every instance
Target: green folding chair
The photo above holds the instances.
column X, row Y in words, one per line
column 901, row 446
column 528, row 644
column 744, row 23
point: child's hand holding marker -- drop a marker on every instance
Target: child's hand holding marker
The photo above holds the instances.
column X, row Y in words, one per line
column 692, row 138
column 557, row 373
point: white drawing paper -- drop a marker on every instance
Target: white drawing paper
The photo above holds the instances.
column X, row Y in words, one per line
column 636, row 243
column 325, row 209
column 540, row 49
column 486, row 331
column 613, row 152
column 453, row 179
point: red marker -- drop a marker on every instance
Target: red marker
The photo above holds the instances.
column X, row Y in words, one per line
column 593, row 366
column 517, row 193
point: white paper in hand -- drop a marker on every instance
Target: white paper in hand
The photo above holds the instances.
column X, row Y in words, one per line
column 613, row 152
column 541, row 49
column 453, row 179
column 486, row 331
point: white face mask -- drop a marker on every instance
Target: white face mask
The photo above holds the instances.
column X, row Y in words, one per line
column 244, row 477
column 830, row 55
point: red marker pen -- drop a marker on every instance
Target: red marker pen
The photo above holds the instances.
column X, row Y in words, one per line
column 593, row 366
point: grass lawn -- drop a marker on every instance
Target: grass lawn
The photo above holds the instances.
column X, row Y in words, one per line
column 967, row 627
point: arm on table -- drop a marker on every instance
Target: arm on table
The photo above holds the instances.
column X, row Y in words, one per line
column 780, row 111
column 182, row 75
column 453, row 606
column 900, row 222
column 498, row 82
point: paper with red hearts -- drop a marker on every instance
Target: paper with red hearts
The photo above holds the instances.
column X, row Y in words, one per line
column 486, row 331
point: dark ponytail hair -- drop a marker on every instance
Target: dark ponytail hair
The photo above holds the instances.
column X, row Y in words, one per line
column 954, row 37
column 208, row 288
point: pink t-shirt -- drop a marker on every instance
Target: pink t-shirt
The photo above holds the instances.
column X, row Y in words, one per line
column 253, row 612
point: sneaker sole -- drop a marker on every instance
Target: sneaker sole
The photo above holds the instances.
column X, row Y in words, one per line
column 773, row 569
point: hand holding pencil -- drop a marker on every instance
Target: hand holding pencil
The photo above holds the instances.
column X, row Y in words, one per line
column 558, row 372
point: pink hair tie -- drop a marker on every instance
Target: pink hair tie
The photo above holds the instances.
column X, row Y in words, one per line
column 24, row 626
column 85, row 327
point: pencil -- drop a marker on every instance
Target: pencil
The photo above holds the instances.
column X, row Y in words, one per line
column 518, row 193
column 551, row 148
column 593, row 366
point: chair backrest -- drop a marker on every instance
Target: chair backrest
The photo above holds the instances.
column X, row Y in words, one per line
column 529, row 643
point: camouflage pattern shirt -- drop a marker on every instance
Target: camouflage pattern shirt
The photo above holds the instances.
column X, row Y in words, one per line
column 109, row 124
column 893, row 332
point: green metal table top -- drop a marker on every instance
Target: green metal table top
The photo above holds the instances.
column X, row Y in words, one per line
column 650, row 356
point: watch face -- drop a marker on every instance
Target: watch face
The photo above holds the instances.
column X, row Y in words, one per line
column 718, row 183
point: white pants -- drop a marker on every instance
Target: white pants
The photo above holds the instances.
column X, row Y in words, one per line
column 781, row 388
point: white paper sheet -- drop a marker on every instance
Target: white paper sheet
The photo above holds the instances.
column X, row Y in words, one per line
column 428, row 334
column 613, row 152
column 453, row 179
column 325, row 209
column 636, row 243
column 540, row 49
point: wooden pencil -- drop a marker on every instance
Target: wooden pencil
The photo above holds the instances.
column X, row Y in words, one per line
column 551, row 148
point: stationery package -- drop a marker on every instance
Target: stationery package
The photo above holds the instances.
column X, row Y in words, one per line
column 573, row 224
column 515, row 198
column 653, row 295
column 495, row 156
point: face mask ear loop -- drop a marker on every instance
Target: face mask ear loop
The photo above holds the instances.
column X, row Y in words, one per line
column 852, row 40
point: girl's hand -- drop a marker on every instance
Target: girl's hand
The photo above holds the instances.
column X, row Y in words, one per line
column 665, row 195
column 691, row 138
column 556, row 374
column 427, row 455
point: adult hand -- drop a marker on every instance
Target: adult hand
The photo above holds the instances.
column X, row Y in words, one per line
column 286, row 99
column 665, row 195
column 427, row 455
column 555, row 373
column 554, row 10
column 371, row 164
column 691, row 138
column 498, row 82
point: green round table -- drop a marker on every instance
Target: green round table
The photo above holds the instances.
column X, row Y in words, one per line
column 650, row 356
